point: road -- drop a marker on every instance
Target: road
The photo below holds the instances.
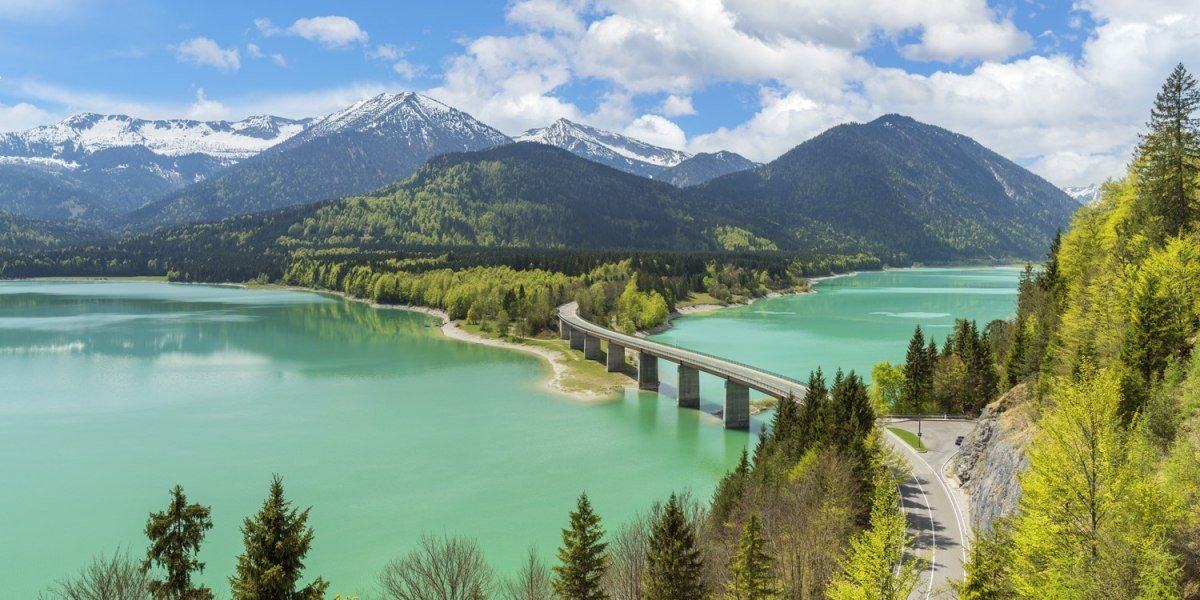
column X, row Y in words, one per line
column 936, row 508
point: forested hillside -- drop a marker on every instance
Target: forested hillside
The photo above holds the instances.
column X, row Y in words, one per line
column 23, row 233
column 907, row 186
column 1105, row 336
column 34, row 192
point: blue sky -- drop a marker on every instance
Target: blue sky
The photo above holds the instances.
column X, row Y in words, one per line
column 1061, row 86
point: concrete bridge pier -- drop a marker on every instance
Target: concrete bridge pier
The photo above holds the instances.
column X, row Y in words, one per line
column 564, row 330
column 577, row 339
column 615, row 360
column 689, row 387
column 647, row 371
column 737, row 406
column 591, row 347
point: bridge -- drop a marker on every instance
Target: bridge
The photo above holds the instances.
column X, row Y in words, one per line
column 586, row 336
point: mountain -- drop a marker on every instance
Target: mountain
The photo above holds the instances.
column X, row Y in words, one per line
column 703, row 167
column 901, row 186
column 893, row 189
column 607, row 148
column 127, row 161
column 523, row 195
column 353, row 151
column 1084, row 194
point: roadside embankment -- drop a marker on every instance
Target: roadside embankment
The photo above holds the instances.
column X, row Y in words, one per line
column 994, row 455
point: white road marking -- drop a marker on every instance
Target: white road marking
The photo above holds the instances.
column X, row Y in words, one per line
column 929, row 509
column 962, row 531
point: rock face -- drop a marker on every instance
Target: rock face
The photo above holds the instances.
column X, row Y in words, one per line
column 994, row 455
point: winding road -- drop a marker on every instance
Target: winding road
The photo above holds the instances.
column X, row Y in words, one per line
column 936, row 508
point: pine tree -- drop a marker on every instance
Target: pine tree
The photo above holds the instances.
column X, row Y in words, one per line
column 583, row 556
column 751, row 574
column 1014, row 365
column 175, row 536
column 914, row 372
column 674, row 566
column 276, row 542
column 1168, row 158
column 729, row 489
column 813, row 416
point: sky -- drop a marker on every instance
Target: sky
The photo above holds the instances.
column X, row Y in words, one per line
column 1060, row 86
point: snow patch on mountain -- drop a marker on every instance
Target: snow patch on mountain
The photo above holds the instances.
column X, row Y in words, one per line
column 89, row 133
column 420, row 120
column 1085, row 194
column 613, row 149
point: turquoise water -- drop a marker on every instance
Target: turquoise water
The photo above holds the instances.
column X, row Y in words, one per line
column 851, row 322
column 114, row 392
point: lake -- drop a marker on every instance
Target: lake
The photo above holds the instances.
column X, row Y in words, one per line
column 113, row 392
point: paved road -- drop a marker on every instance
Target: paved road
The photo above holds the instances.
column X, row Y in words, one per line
column 936, row 508
column 772, row 384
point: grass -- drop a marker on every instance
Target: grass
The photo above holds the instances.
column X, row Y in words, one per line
column 696, row 299
column 909, row 437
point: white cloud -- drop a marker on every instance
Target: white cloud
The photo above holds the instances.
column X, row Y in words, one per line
column 657, row 130
column 21, row 116
column 204, row 109
column 949, row 42
column 253, row 51
column 330, row 31
column 677, row 106
column 266, row 27
column 395, row 55
column 204, row 51
column 278, row 59
column 547, row 15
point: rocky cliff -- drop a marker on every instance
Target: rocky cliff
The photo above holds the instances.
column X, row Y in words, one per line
column 994, row 454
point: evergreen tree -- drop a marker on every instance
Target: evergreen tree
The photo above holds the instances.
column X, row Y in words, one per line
column 175, row 536
column 674, row 566
column 1168, row 158
column 729, row 490
column 914, row 372
column 813, row 417
column 276, row 541
column 583, row 556
column 751, row 574
column 1014, row 365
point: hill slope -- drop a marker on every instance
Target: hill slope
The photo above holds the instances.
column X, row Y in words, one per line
column 353, row 151
column 705, row 166
column 906, row 186
column 521, row 194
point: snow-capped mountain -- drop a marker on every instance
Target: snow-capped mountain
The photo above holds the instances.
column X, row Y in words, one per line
column 89, row 133
column 1085, row 194
column 352, row 151
column 612, row 149
column 409, row 117
column 126, row 161
column 705, row 166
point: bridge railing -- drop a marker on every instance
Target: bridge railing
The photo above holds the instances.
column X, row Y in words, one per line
column 714, row 357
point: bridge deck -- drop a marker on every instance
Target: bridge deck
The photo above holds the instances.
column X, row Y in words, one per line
column 772, row 384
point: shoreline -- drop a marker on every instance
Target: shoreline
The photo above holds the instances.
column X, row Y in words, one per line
column 560, row 361
column 557, row 360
